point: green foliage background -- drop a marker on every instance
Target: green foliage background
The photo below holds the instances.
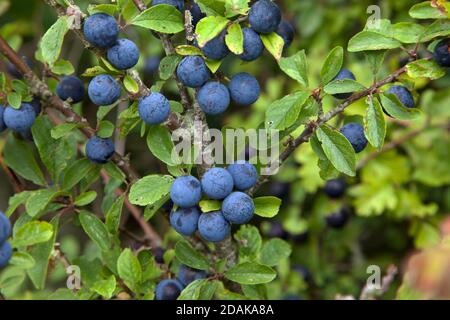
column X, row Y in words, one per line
column 400, row 197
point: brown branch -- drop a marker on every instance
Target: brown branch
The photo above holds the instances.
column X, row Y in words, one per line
column 311, row 126
column 41, row 90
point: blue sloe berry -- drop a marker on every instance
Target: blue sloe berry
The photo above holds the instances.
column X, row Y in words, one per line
column 71, row 87
column 244, row 89
column 186, row 191
column 154, row 108
column 193, row 72
column 213, row 98
column 101, row 30
column 238, row 208
column 99, row 150
column 104, row 90
column 354, row 132
column 213, row 227
column 217, row 183
column 244, row 175
column 185, row 220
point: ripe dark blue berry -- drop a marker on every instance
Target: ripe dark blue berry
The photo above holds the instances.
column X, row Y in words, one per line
column 403, row 94
column 185, row 220
column 213, row 227
column 213, row 98
column 238, row 208
column 264, row 16
column 154, row 108
column 217, row 183
column 186, row 274
column 123, row 55
column 104, row 90
column 19, row 120
column 286, row 31
column 99, row 150
column 442, row 53
column 2, row 123
column 186, row 191
column 179, row 4
column 354, row 132
column 335, row 188
column 168, row 289
column 342, row 75
column 338, row 219
column 5, row 254
column 244, row 89
column 101, row 30
column 244, row 175
column 253, row 46
column 5, row 227
column 216, row 49
column 196, row 13
column 193, row 72
column 71, row 87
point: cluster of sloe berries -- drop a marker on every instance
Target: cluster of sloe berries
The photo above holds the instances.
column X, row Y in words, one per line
column 170, row 289
column 5, row 247
column 243, row 89
column 217, row 184
column 335, row 189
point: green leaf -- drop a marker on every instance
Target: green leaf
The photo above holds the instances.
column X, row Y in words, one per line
column 22, row 260
column 193, row 290
column 16, row 200
column 374, row 123
column 160, row 18
column 95, row 229
column 210, row 205
column 20, row 158
column 168, row 65
column 31, row 233
column 424, row 69
column 425, row 10
column 281, row 114
column 250, row 273
column 187, row 50
column 105, row 129
column 296, row 67
column 187, row 255
column 105, row 8
column 55, row 154
column 39, row 200
column 114, row 213
column 337, row 149
column 267, row 207
column 249, row 240
column 159, row 141
column 52, row 41
column 375, row 60
column 77, row 171
column 213, row 65
column 175, row 106
column 343, row 86
column 150, row 189
column 332, row 65
column 85, row 198
column 208, row 28
column 14, row 99
column 94, row 71
column 274, row 44
column 274, row 251
column 105, row 287
column 41, row 254
column 235, row 39
column 62, row 130
column 212, row 7
column 396, row 109
column 407, row 32
column 236, row 7
column 129, row 269
column 369, row 40
column 153, row 208
column 63, row 67
column 439, row 28
column 130, row 84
